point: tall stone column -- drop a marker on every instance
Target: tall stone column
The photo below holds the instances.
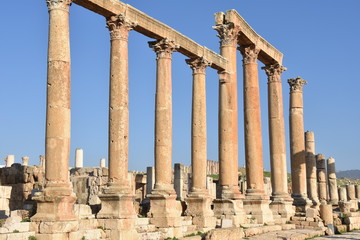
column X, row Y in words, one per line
column 117, row 199
column 10, row 159
column 281, row 201
column 256, row 202
column 321, row 176
column 311, row 167
column 199, row 201
column 297, row 144
column 228, row 113
column 252, row 122
column 56, row 201
column 333, row 192
column 165, row 210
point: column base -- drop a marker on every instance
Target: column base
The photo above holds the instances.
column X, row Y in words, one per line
column 231, row 209
column 165, row 211
column 258, row 207
column 199, row 207
column 55, row 203
column 120, row 228
column 229, row 192
column 301, row 203
column 282, row 206
column 116, row 206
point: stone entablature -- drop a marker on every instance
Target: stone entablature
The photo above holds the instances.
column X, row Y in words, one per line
column 153, row 28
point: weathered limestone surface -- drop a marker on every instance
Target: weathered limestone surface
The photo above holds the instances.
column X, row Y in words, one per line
column 311, row 167
column 332, row 184
column 357, row 192
column 228, row 113
column 212, row 167
column 25, row 160
column 297, row 143
column 55, row 202
column 10, row 159
column 182, row 181
column 277, row 133
column 342, row 194
column 321, row 176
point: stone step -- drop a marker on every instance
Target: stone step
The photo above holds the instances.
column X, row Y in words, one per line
column 150, row 236
column 146, row 228
column 189, row 229
column 142, row 221
column 298, row 234
column 280, row 221
column 92, row 234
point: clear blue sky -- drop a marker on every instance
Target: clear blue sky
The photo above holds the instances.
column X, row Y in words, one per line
column 319, row 40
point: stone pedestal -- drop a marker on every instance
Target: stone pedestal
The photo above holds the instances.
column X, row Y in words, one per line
column 332, row 184
column 326, row 213
column 55, row 203
column 283, row 207
column 199, row 207
column 116, row 205
column 259, row 208
column 79, row 158
column 119, row 228
column 165, row 211
column 231, row 209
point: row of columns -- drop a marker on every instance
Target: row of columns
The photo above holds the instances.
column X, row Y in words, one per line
column 117, row 195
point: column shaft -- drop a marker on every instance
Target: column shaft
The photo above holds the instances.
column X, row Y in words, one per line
column 321, row 176
column 252, row 122
column 333, row 192
column 198, row 127
column 228, row 112
column 311, row 166
column 57, row 141
column 119, row 27
column 163, row 114
column 277, row 132
column 297, row 141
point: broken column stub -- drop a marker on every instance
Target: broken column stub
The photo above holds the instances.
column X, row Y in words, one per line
column 25, row 160
column 79, row 158
column 332, row 184
column 321, row 176
column 312, row 188
column 10, row 159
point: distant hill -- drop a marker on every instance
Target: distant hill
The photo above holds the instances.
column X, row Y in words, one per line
column 353, row 174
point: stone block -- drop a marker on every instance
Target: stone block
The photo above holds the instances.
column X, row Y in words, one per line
column 56, row 236
column 21, row 227
column 142, row 221
column 20, row 236
column 58, row 227
column 83, row 211
column 93, row 234
column 226, row 223
column 312, row 213
column 86, row 224
column 225, row 233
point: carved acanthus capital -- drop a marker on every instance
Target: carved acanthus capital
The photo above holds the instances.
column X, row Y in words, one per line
column 119, row 26
column 198, row 65
column 296, row 84
column 58, row 4
column 250, row 53
column 164, row 47
column 228, row 33
column 274, row 72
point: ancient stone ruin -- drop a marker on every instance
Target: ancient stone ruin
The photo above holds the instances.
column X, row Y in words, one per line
column 50, row 202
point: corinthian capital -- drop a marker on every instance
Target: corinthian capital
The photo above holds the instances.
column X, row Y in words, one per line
column 163, row 47
column 274, row 72
column 198, row 65
column 119, row 26
column 250, row 53
column 58, row 4
column 227, row 33
column 296, row 84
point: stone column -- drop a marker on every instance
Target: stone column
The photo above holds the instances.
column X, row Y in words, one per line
column 357, row 192
column 25, row 160
column 10, row 159
column 350, row 189
column 282, row 203
column 342, row 194
column 333, row 192
column 117, row 198
column 297, row 144
column 56, row 201
column 311, row 167
column 228, row 113
column 42, row 161
column 199, row 200
column 256, row 202
column 79, row 158
column 252, row 122
column 150, row 179
column 321, row 176
column 164, row 207
column 102, row 162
